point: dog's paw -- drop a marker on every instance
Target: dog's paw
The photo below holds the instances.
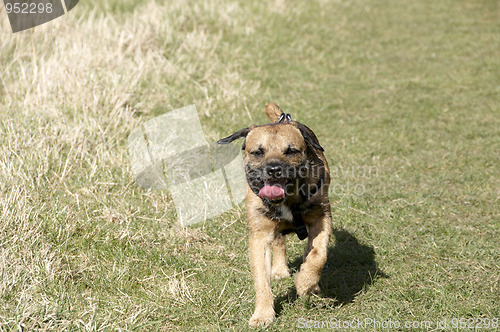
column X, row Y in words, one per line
column 316, row 290
column 262, row 318
column 280, row 273
column 306, row 283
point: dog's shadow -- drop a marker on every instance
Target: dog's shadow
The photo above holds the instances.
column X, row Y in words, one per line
column 350, row 269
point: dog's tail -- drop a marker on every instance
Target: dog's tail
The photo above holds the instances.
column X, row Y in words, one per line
column 273, row 112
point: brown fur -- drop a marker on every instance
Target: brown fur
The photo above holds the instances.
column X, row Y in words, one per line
column 273, row 112
column 267, row 220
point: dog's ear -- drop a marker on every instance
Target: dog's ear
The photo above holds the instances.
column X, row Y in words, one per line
column 239, row 134
column 274, row 112
column 309, row 136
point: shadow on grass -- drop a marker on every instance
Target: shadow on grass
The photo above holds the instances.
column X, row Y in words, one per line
column 350, row 269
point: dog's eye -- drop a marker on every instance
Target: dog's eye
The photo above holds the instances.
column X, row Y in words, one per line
column 257, row 153
column 291, row 151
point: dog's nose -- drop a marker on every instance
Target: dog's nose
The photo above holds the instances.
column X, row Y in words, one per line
column 274, row 171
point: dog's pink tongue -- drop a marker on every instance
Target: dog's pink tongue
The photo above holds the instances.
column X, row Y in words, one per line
column 272, row 192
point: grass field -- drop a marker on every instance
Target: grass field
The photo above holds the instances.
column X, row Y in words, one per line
column 408, row 90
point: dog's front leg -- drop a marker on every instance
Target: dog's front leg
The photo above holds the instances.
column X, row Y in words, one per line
column 320, row 228
column 260, row 263
column 279, row 268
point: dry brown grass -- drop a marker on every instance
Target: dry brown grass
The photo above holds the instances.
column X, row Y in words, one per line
column 70, row 93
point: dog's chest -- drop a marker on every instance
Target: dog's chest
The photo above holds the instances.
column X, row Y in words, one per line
column 283, row 212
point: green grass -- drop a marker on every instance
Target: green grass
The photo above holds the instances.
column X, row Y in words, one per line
column 409, row 90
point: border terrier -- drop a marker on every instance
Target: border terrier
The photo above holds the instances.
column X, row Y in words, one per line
column 287, row 192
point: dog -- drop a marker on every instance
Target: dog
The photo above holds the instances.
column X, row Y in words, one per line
column 287, row 192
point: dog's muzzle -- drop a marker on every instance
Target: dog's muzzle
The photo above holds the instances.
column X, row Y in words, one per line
column 269, row 182
column 274, row 183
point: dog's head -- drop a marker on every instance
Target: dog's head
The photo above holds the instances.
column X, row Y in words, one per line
column 278, row 157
